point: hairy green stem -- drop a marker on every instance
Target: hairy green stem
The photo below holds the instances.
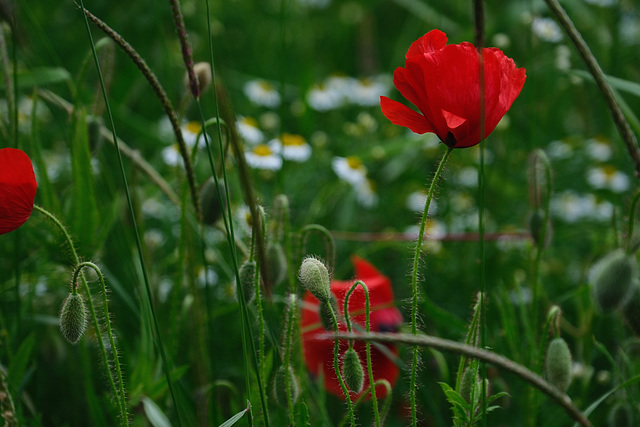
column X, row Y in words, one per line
column 476, row 353
column 372, row 386
column 414, row 284
column 92, row 312
column 590, row 61
column 336, row 366
column 122, row 398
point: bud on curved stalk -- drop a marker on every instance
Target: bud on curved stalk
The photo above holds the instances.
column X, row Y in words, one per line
column 613, row 279
column 73, row 318
column 536, row 221
column 314, row 276
column 558, row 364
column 352, row 370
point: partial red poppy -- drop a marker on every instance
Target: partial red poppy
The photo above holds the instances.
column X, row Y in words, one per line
column 443, row 81
column 17, row 189
column 384, row 317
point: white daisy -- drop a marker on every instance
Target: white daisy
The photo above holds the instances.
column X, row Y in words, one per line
column 350, row 169
column 366, row 92
column 598, row 149
column 546, row 29
column 559, row 150
column 249, row 130
column 263, row 157
column 293, row 147
column 467, row 177
column 609, row 178
column 261, row 92
column 171, row 155
column 563, row 58
column 322, row 97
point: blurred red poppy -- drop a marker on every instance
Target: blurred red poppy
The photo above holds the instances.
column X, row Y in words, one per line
column 443, row 81
column 384, row 317
column 17, row 189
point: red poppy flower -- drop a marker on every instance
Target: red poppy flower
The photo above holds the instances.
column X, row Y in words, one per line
column 443, row 81
column 384, row 317
column 17, row 189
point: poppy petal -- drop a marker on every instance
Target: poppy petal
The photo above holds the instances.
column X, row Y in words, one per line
column 17, row 189
column 402, row 115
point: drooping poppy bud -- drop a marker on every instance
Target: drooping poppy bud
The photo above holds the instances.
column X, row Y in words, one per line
column 247, row 276
column 443, row 82
column 17, row 189
column 279, row 385
column 73, row 318
column 212, row 205
column 314, row 276
column 384, row 317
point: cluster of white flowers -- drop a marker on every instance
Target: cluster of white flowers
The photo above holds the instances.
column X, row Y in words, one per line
column 572, row 207
column 337, row 91
column 193, row 137
column 546, row 29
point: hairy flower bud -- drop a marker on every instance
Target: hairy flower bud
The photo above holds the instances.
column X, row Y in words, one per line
column 314, row 276
column 276, row 263
column 558, row 364
column 210, row 201
column 247, row 275
column 280, row 385
column 73, row 318
column 613, row 279
column 352, row 370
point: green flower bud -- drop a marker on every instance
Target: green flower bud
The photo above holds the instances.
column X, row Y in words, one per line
column 247, row 275
column 314, row 276
column 210, row 201
column 613, row 279
column 352, row 371
column 73, row 318
column 470, row 379
column 558, row 364
column 276, row 263
column 280, row 385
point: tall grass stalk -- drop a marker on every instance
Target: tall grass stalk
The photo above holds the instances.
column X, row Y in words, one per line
column 158, row 339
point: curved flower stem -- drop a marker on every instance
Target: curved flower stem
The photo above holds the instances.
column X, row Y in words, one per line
column 372, row 385
column 164, row 100
column 414, row 283
column 476, row 353
column 105, row 307
column 590, row 61
column 330, row 242
column 92, row 311
column 336, row 366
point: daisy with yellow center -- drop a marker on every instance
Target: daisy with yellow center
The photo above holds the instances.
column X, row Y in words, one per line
column 192, row 134
column 263, row 157
column 292, row 147
column 349, row 169
column 249, row 130
column 261, row 92
column 608, row 178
